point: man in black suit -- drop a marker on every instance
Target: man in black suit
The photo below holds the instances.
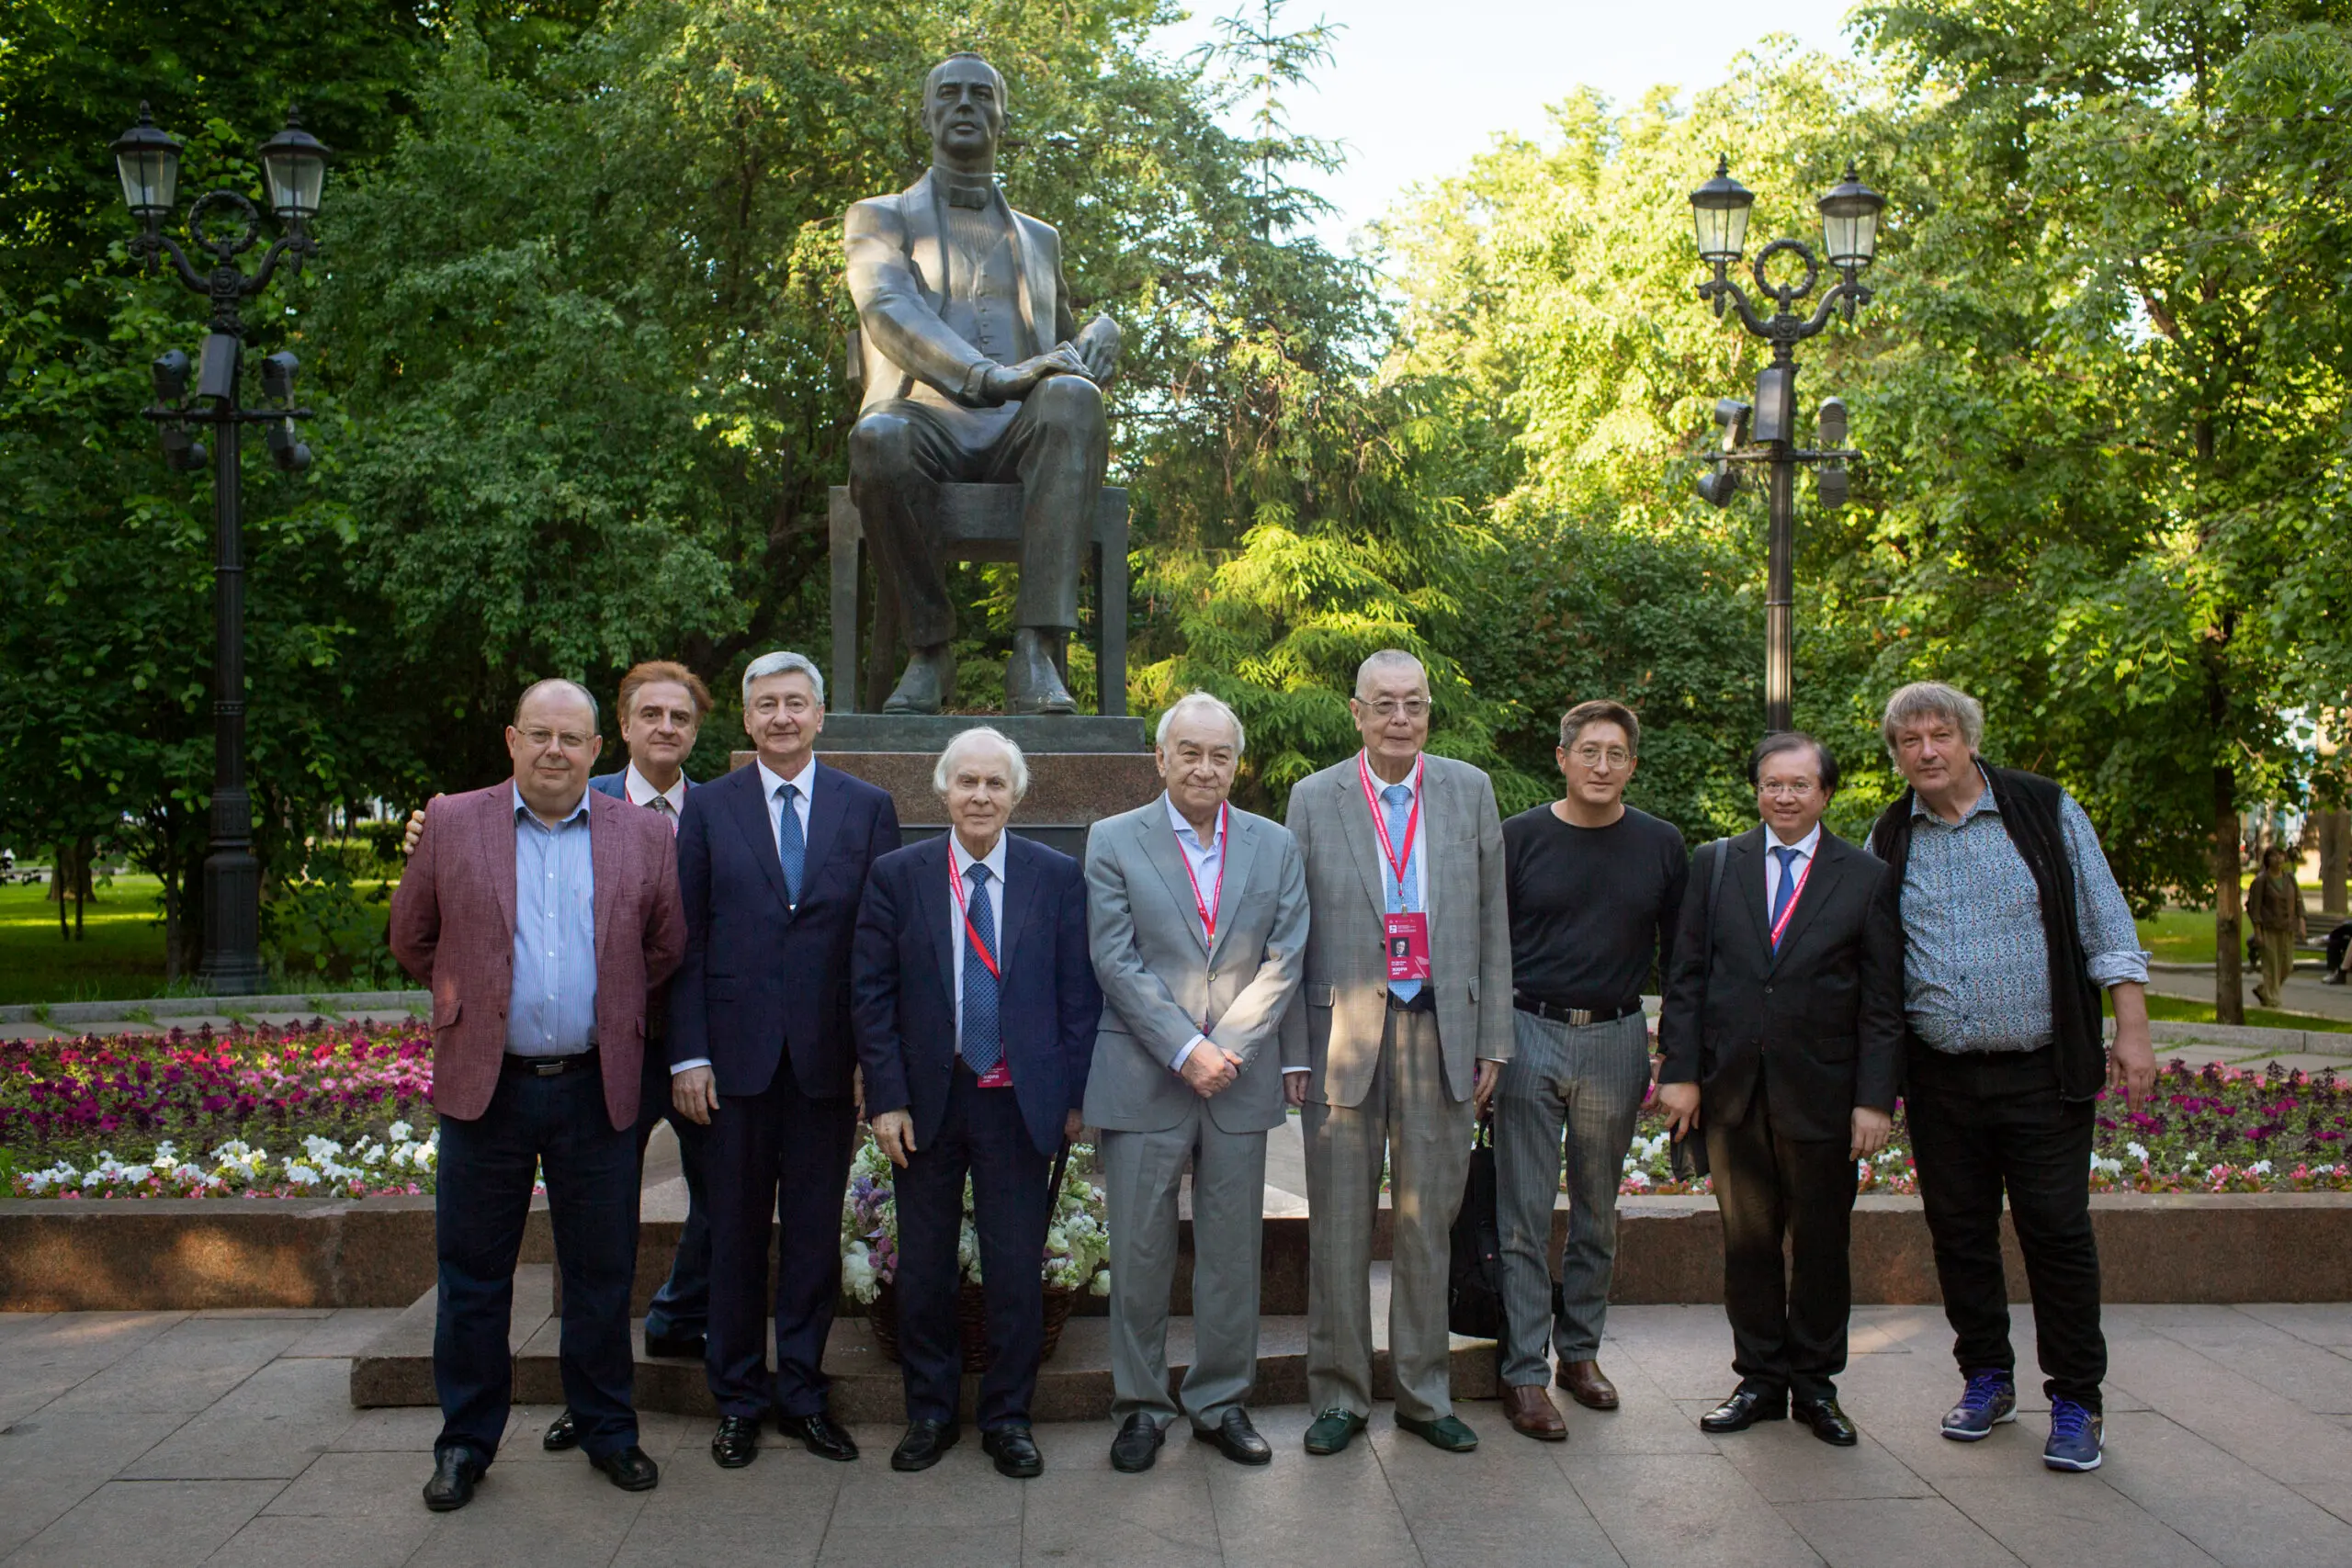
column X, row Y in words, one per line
column 772, row 859
column 977, row 1012
column 1781, row 1028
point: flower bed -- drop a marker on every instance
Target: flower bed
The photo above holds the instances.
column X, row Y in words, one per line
column 2211, row 1129
column 1077, row 1236
column 316, row 1111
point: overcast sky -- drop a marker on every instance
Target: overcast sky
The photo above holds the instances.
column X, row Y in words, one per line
column 1420, row 87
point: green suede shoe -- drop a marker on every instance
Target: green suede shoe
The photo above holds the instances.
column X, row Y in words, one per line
column 1334, row 1430
column 1446, row 1432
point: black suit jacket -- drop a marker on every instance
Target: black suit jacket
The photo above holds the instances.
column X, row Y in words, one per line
column 761, row 977
column 1822, row 1020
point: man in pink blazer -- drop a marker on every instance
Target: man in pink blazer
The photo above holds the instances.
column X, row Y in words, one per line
column 539, row 913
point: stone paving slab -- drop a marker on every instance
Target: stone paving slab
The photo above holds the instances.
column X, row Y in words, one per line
column 2230, row 1443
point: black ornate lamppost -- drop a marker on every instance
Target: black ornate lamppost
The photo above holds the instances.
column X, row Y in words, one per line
column 1849, row 213
column 294, row 167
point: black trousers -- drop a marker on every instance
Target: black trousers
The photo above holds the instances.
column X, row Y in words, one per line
column 1789, row 1310
column 982, row 1136
column 1989, row 1123
column 482, row 1199
column 680, row 1308
column 779, row 1154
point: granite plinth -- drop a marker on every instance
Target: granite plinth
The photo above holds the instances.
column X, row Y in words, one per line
column 930, row 733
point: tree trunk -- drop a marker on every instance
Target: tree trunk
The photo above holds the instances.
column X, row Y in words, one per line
column 2335, row 829
column 2229, row 937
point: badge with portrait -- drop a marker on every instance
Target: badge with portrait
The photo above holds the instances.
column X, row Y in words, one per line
column 1408, row 937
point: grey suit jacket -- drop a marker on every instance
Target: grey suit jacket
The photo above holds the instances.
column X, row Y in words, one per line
column 1335, row 1024
column 1162, row 981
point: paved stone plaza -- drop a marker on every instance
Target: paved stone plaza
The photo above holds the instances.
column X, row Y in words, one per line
column 180, row 1438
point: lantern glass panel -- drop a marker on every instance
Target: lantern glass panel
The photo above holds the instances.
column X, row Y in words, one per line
column 295, row 176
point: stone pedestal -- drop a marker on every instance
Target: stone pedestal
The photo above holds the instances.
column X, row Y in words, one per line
column 1082, row 768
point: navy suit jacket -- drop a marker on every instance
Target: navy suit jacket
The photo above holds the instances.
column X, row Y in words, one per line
column 904, row 977
column 615, row 783
column 760, row 977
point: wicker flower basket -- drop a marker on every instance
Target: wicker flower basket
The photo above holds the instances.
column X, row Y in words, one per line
column 971, row 1322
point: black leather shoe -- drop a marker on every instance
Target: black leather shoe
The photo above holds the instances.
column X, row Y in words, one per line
column 1828, row 1423
column 1237, row 1440
column 737, row 1442
column 680, row 1347
column 1746, row 1407
column 1138, row 1445
column 821, row 1435
column 1015, row 1453
column 455, row 1471
column 631, row 1469
column 563, row 1434
column 923, row 1445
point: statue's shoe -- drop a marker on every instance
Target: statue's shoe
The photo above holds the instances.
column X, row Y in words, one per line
column 1033, row 683
column 928, row 683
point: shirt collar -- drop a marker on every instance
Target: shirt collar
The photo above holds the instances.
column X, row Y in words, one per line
column 1985, row 802
column 1380, row 787
column 804, row 781
column 995, row 862
column 641, row 792
column 1804, row 847
column 1184, row 830
column 953, row 180
column 514, row 793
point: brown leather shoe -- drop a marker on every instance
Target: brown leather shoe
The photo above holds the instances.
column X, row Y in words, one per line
column 1532, row 1413
column 1587, row 1386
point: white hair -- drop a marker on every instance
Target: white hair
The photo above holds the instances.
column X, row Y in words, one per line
column 782, row 663
column 1933, row 699
column 1388, row 659
column 1199, row 701
column 943, row 772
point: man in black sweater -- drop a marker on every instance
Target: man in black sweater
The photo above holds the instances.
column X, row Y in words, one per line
column 1782, row 1031
column 1594, row 887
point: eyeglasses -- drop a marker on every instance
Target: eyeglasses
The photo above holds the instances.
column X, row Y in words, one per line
column 1388, row 707
column 537, row 739
column 795, row 705
column 1779, row 788
column 1594, row 756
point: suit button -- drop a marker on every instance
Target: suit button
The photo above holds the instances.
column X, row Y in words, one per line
column 1768, row 990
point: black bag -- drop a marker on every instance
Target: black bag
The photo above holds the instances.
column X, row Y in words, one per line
column 1473, row 1296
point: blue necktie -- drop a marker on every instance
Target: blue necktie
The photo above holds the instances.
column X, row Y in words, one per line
column 983, row 1036
column 790, row 845
column 1786, row 891
column 1404, row 895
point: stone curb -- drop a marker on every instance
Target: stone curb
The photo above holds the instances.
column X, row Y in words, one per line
column 342, row 1004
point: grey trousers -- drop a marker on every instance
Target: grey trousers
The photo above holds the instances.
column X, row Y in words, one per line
column 1586, row 1082
column 1410, row 1125
column 1141, row 1173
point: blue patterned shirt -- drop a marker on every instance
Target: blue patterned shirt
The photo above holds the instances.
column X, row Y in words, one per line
column 552, row 1009
column 1976, row 966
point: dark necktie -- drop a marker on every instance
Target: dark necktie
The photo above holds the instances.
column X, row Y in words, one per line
column 982, row 1043
column 968, row 196
column 1787, row 890
column 790, row 846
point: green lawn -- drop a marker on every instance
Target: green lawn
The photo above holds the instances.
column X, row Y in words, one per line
column 2185, row 936
column 2186, row 1011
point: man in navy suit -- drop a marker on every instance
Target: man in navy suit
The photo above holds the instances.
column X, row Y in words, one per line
column 771, row 861
column 977, row 1011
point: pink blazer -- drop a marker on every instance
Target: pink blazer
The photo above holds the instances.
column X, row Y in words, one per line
column 453, row 928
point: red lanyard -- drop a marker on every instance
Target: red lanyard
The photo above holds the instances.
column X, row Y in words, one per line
column 1397, row 862
column 1217, row 898
column 955, row 885
column 1787, row 914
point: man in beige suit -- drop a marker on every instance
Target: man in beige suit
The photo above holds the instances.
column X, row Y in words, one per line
column 1403, row 1023
column 1196, row 915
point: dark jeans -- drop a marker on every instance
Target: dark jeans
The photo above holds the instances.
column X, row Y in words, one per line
column 681, row 1309
column 484, row 1197
column 982, row 1134
column 1788, row 1312
column 778, row 1155
column 2338, row 942
column 1986, row 1123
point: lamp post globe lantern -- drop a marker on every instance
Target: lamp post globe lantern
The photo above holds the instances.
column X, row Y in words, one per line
column 294, row 167
column 1849, row 212
column 1720, row 209
column 148, row 161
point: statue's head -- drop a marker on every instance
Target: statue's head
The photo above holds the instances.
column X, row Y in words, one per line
column 963, row 108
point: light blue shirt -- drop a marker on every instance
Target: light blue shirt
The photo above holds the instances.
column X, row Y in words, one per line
column 552, row 1011
column 961, row 860
column 1412, row 893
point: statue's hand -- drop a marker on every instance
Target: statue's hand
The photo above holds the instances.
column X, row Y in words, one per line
column 1004, row 383
column 1097, row 344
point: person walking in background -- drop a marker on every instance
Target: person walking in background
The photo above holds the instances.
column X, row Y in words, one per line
column 1196, row 914
column 2012, row 924
column 772, row 859
column 1782, row 1037
column 977, row 1011
column 540, row 914
column 2273, row 906
column 1403, row 1022
column 1595, row 886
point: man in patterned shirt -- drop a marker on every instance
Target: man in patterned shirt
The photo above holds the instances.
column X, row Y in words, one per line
column 2012, row 924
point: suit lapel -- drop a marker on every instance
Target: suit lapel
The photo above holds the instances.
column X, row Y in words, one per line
column 1167, row 856
column 1020, row 892
column 1747, row 888
column 919, row 210
column 1240, row 851
column 935, row 908
column 498, row 849
column 604, row 865
column 1827, row 868
column 1355, row 826
column 828, row 805
column 752, row 821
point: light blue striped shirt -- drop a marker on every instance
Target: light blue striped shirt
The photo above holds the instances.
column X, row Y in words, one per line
column 552, row 1011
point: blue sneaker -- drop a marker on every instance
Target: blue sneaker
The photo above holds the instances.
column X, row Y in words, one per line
column 2076, row 1436
column 1990, row 1399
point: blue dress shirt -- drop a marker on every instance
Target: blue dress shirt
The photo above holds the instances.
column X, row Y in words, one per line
column 552, row 1011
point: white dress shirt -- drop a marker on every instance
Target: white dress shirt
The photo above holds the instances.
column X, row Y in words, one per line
column 1208, row 867
column 962, row 863
column 641, row 793
column 770, row 782
column 1804, row 847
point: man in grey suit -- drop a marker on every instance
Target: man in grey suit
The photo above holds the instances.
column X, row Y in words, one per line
column 1403, row 1023
column 1196, row 914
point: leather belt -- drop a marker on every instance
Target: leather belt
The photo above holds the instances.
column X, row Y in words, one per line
column 550, row 1066
column 1579, row 1016
column 1423, row 1000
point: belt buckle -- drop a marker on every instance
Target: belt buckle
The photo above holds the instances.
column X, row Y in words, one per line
column 549, row 1067
column 1579, row 1016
